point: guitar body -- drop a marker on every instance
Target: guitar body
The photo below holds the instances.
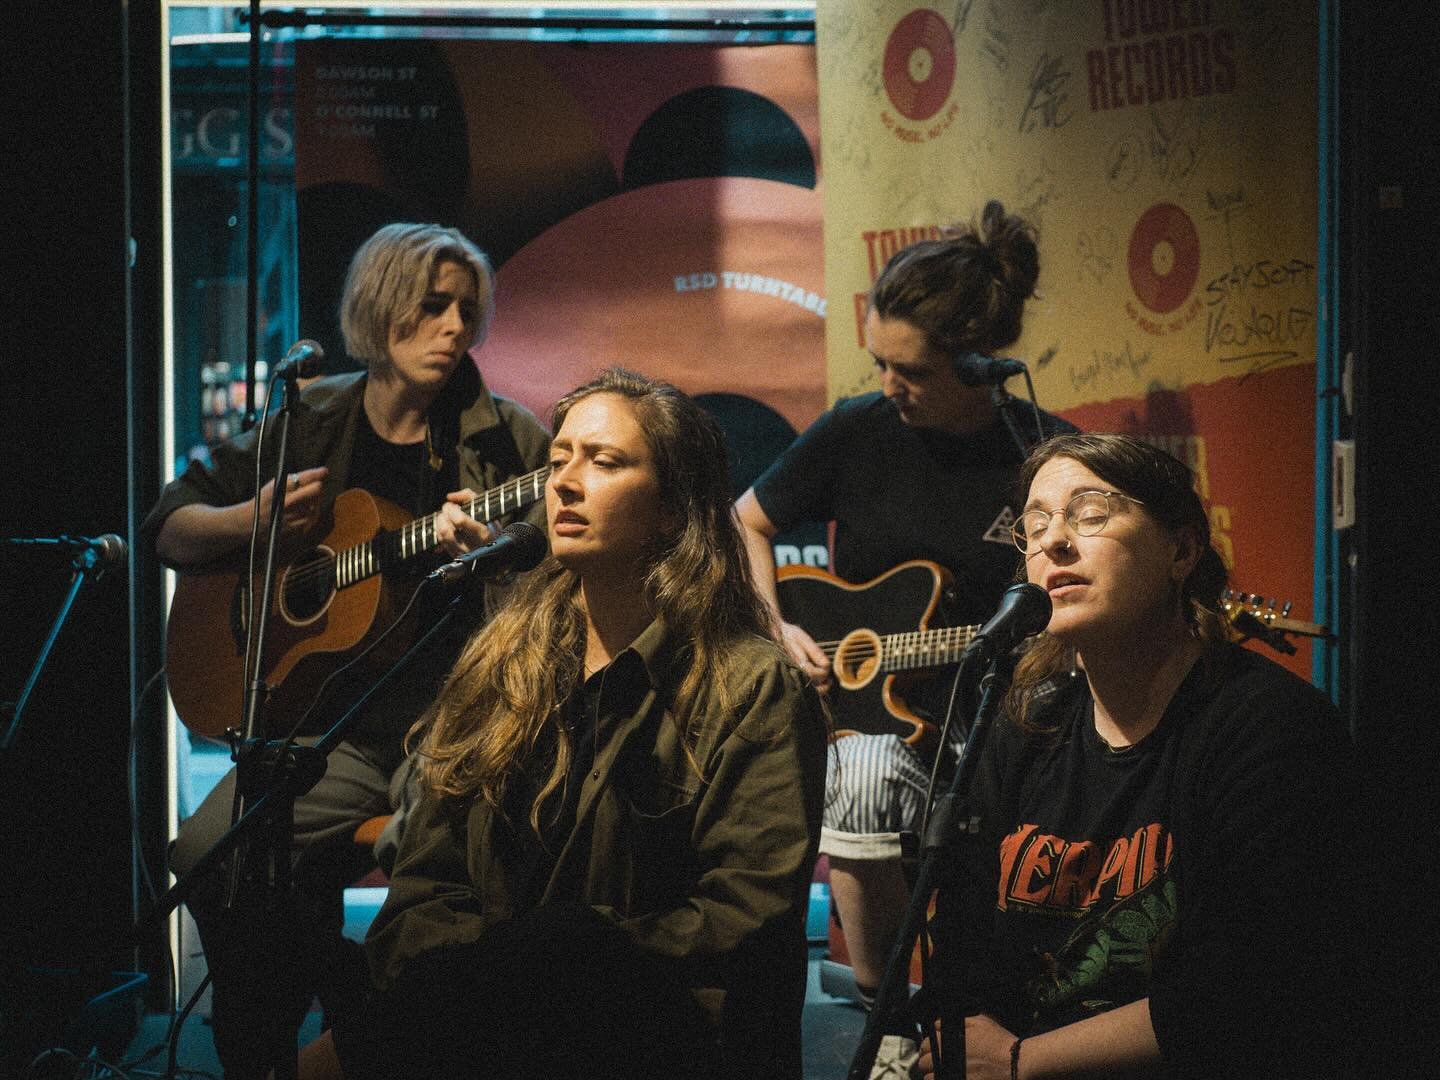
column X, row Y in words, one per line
column 310, row 630
column 864, row 699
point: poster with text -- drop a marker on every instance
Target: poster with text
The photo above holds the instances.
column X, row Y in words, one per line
column 652, row 206
column 1166, row 154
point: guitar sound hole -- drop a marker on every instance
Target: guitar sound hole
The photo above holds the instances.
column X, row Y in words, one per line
column 857, row 659
column 308, row 586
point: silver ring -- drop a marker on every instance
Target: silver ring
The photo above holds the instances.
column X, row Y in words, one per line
column 294, row 481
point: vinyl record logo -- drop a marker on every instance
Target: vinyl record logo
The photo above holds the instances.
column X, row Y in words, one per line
column 919, row 64
column 1164, row 257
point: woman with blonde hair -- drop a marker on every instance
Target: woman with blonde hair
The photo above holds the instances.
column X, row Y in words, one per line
column 418, row 429
column 608, row 872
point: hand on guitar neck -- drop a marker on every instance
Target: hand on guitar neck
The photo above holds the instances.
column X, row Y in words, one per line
column 456, row 532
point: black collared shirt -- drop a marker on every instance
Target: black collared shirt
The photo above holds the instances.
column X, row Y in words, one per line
column 589, row 710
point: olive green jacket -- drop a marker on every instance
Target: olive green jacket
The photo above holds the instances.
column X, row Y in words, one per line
column 712, row 872
column 495, row 438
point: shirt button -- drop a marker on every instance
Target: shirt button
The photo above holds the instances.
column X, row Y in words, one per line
column 595, row 775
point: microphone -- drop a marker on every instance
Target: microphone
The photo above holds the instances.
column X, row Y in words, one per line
column 107, row 550
column 304, row 360
column 520, row 546
column 1024, row 610
column 110, row 550
column 972, row 369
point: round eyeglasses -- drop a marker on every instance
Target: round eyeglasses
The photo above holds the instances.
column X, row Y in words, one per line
column 1086, row 514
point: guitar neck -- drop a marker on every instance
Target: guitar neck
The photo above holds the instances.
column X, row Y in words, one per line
column 493, row 504
column 417, row 537
column 916, row 649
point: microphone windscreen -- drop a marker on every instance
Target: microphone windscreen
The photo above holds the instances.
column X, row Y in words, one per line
column 530, row 544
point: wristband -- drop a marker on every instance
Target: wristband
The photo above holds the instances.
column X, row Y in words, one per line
column 1015, row 1060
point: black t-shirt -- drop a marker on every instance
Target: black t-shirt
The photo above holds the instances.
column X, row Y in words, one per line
column 530, row 858
column 400, row 473
column 1201, row 867
column 897, row 493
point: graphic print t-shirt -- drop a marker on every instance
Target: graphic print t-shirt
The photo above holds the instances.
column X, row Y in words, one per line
column 1215, row 868
column 1082, row 899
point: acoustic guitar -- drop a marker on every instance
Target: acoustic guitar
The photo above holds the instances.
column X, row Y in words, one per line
column 334, row 593
column 877, row 637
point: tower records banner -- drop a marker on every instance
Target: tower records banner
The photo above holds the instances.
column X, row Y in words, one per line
column 1166, row 152
column 653, row 206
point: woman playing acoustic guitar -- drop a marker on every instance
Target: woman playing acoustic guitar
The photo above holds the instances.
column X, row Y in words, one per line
column 922, row 469
column 419, row 430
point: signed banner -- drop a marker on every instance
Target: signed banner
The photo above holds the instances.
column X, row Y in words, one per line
column 1166, row 153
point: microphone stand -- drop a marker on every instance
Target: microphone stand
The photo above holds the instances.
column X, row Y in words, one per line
column 86, row 566
column 291, row 770
column 951, row 834
column 268, row 775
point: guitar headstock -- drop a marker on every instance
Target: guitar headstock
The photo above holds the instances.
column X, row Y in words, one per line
column 1254, row 616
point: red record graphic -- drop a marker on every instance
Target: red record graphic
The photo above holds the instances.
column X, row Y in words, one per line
column 1164, row 257
column 919, row 64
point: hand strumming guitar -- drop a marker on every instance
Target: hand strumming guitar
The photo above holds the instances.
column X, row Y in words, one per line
column 805, row 652
column 198, row 533
column 302, row 503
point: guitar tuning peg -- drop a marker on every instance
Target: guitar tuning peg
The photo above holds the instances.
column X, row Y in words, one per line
column 1285, row 608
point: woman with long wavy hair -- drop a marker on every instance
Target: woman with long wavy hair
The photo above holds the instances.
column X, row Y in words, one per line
column 607, row 875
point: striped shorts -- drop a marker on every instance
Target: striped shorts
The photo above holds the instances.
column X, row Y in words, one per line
column 875, row 789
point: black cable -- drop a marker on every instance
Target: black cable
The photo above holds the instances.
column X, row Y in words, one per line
column 172, row 1037
column 133, row 783
column 132, row 780
column 249, row 584
column 739, row 24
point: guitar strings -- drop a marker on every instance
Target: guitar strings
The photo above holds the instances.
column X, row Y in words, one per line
column 322, row 570
column 906, row 646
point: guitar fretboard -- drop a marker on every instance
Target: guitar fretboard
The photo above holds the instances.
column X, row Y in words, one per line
column 910, row 651
column 391, row 548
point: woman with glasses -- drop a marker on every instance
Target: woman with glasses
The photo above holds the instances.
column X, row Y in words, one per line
column 1155, row 888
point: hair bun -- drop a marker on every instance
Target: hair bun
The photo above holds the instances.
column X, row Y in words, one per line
column 1008, row 241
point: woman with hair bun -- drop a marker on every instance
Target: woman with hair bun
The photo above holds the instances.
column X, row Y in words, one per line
column 1158, row 887
column 921, row 469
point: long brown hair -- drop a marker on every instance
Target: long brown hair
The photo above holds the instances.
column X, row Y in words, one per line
column 1166, row 487
column 967, row 290
column 516, row 672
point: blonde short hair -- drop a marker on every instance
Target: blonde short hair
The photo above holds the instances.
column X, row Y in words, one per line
column 389, row 277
